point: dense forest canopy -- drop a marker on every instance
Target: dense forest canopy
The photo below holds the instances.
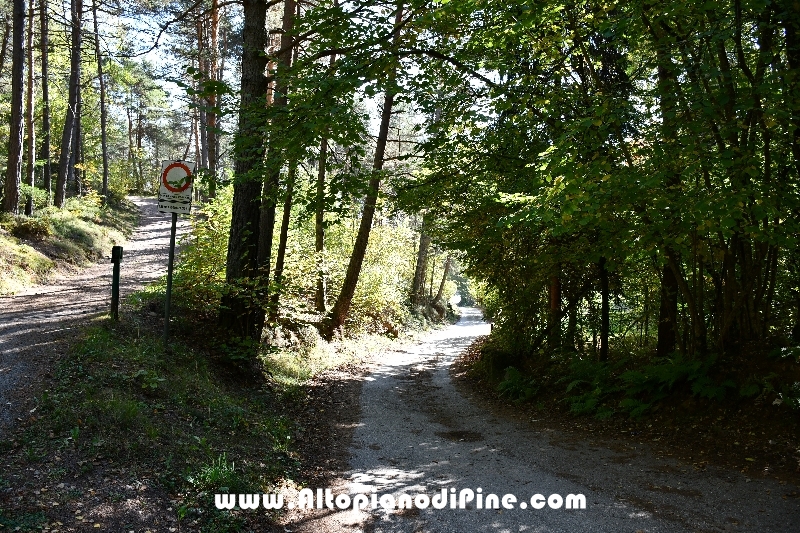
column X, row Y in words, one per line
column 612, row 176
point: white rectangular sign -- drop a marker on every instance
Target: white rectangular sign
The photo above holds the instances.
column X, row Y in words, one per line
column 175, row 187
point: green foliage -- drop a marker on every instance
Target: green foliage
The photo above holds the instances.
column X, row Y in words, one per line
column 31, row 228
column 39, row 196
column 218, row 476
column 81, row 232
column 516, row 387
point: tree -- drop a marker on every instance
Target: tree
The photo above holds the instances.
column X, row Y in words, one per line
column 45, row 43
column 29, row 112
column 14, row 168
column 340, row 310
column 103, row 117
column 71, row 121
column 239, row 314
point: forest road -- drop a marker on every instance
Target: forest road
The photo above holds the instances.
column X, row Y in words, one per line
column 38, row 324
column 419, row 434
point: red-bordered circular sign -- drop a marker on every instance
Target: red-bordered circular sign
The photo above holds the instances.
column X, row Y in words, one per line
column 177, row 175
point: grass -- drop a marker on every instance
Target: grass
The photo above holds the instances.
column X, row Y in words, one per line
column 81, row 232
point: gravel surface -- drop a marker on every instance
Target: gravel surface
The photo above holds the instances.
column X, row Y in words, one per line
column 38, row 324
column 419, row 434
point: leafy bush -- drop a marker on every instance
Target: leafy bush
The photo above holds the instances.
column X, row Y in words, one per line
column 39, row 196
column 32, row 228
column 517, row 387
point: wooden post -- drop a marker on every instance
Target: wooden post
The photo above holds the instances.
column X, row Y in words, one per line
column 116, row 258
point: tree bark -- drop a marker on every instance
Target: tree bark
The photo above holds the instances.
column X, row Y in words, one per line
column 103, row 117
column 274, row 156
column 14, row 168
column 30, row 170
column 74, row 171
column 47, row 170
column 282, row 241
column 239, row 314
column 341, row 309
column 321, row 297
column 211, row 115
column 72, row 104
column 418, row 285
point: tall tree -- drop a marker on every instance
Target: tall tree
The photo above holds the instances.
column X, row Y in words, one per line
column 275, row 159
column 341, row 309
column 238, row 313
column 30, row 170
column 70, row 121
column 283, row 239
column 103, row 114
column 44, row 40
column 14, row 168
column 4, row 46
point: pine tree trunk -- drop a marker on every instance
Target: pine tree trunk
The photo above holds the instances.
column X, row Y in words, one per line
column 103, row 117
column 30, row 170
column 341, row 309
column 4, row 46
column 47, row 170
column 74, row 171
column 283, row 240
column 14, row 168
column 275, row 157
column 239, row 314
column 212, row 102
column 72, row 104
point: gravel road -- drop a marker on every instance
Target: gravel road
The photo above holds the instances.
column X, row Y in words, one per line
column 37, row 325
column 418, row 434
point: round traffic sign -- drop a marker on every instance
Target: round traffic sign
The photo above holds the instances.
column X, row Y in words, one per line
column 176, row 177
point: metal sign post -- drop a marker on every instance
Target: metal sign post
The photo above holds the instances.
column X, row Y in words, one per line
column 174, row 196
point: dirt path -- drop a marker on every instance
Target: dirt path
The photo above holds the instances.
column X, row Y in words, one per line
column 419, row 434
column 37, row 325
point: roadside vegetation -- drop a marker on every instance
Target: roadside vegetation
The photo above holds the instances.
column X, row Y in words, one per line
column 32, row 247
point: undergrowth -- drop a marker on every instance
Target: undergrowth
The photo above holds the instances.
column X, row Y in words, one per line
column 629, row 385
column 81, row 232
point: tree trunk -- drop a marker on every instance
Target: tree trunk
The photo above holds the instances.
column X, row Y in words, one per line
column 275, row 157
column 667, row 313
column 72, row 104
column 604, row 311
column 342, row 307
column 103, row 117
column 418, row 286
column 212, row 102
column 14, row 168
column 30, row 170
column 74, row 171
column 321, row 297
column 4, row 46
column 284, row 237
column 319, row 230
column 47, row 170
column 239, row 314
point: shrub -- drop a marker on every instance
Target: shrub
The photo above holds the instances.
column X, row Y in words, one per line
column 32, row 228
